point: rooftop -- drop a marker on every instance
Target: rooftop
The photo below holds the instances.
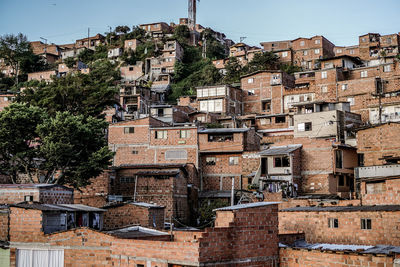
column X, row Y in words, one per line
column 379, row 249
column 246, row 206
column 134, row 232
column 346, row 208
column 280, row 150
column 56, row 207
column 31, row 186
column 224, row 130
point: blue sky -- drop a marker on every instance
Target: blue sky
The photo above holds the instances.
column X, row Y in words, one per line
column 63, row 21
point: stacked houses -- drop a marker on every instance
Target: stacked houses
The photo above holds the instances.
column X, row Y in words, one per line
column 305, row 167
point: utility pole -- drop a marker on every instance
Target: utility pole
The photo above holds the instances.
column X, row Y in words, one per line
column 45, row 45
column 242, row 39
column 110, row 35
column 204, row 54
column 88, row 38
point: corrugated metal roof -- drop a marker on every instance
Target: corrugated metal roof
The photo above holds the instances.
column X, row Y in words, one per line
column 215, row 194
column 225, row 130
column 362, row 249
column 345, row 208
column 280, row 150
column 80, row 207
column 31, row 186
column 56, row 207
column 158, row 172
column 247, row 206
column 161, row 88
column 135, row 232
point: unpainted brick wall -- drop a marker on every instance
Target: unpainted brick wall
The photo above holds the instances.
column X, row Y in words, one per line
column 4, row 224
column 130, row 214
column 385, row 227
column 301, row 257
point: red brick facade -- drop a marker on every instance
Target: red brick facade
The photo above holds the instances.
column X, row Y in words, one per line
column 123, row 215
column 384, row 226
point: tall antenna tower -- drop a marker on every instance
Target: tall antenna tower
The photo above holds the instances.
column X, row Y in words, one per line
column 192, row 14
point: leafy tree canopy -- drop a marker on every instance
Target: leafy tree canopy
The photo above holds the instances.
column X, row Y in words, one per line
column 17, row 53
column 63, row 149
column 122, row 29
column 86, row 94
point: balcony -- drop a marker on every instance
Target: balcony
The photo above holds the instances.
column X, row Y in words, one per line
column 377, row 171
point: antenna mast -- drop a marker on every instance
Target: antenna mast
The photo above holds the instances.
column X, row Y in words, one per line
column 192, row 14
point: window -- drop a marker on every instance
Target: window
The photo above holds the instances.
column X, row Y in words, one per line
column 161, row 134
column 284, row 54
column 344, row 86
column 304, row 127
column 339, row 159
column 305, row 53
column 129, row 130
column 280, row 162
column 316, row 51
column 130, row 68
column 250, row 80
column 388, row 40
column 352, row 52
column 233, row 160
column 211, row 161
column 266, row 121
column 386, row 68
column 184, row 133
column 139, row 265
column 135, row 152
column 351, row 101
column 36, row 257
column 341, row 181
column 266, row 106
column 366, row 224
column 317, row 41
column 324, row 75
column 280, row 119
column 175, row 154
column 220, row 137
column 339, row 51
column 250, row 92
column 375, row 187
column 324, row 89
column 364, row 74
column 333, row 223
column 360, row 159
column 302, row 43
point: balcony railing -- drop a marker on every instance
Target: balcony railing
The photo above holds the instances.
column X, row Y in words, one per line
column 377, row 171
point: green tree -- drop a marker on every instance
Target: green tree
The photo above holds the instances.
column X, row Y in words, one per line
column 17, row 53
column 87, row 94
column 263, row 61
column 233, row 71
column 215, row 50
column 86, row 56
column 182, row 34
column 122, row 29
column 64, row 149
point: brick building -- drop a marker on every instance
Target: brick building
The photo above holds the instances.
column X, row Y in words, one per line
column 225, row 244
column 42, row 75
column 173, row 186
column 220, row 99
column 43, row 193
column 352, row 225
column 222, row 161
column 379, row 170
column 151, row 141
column 121, row 215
